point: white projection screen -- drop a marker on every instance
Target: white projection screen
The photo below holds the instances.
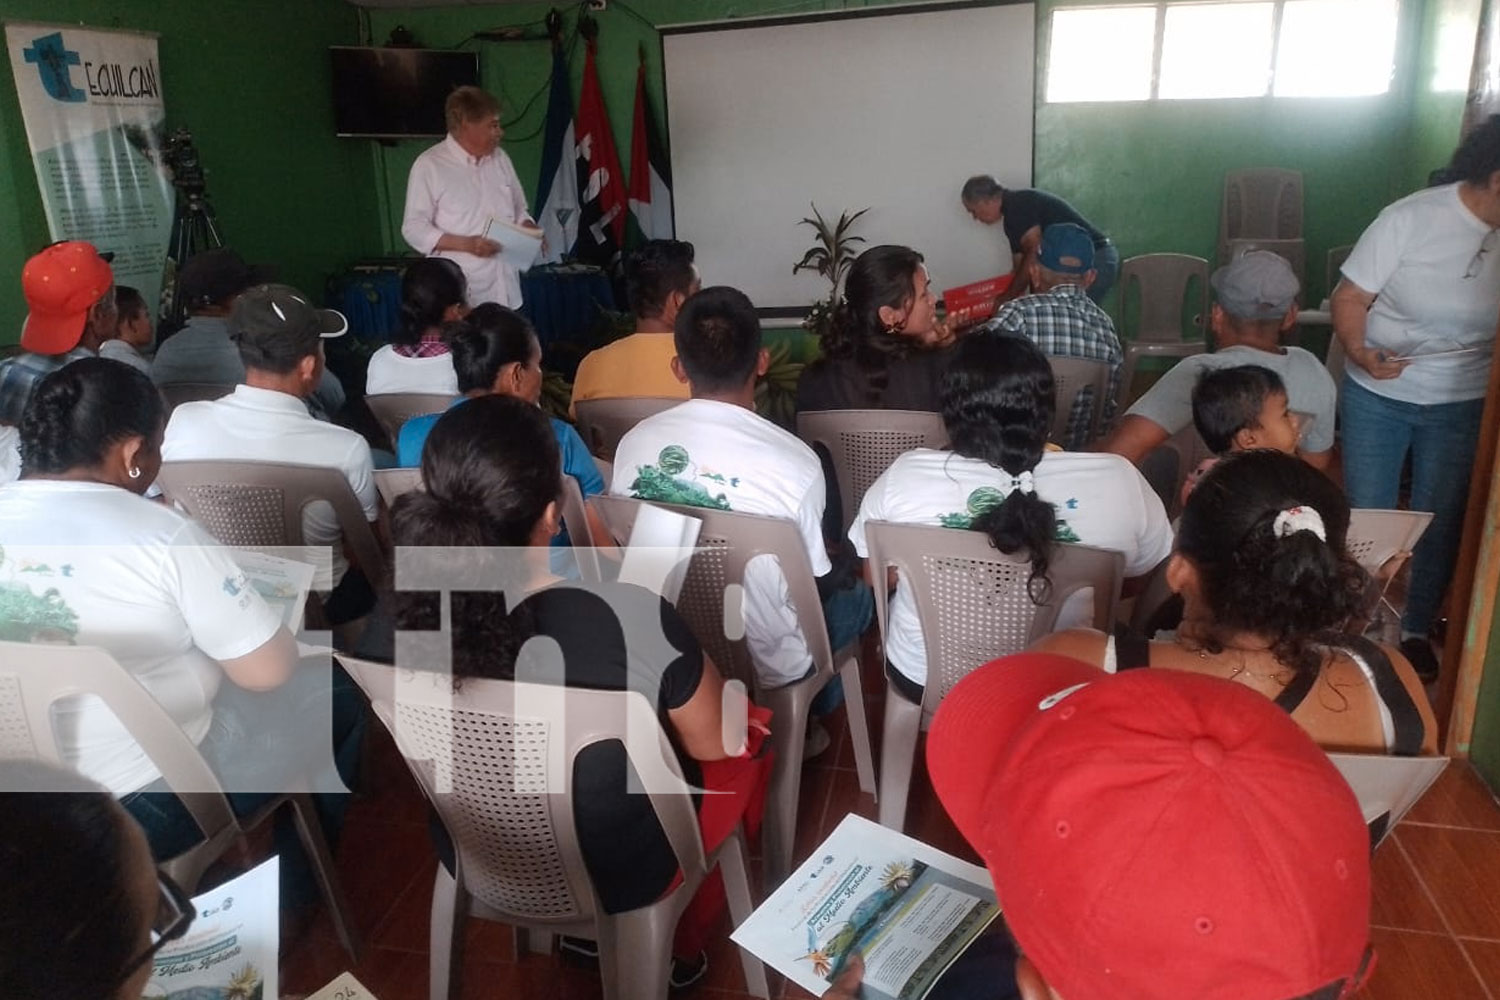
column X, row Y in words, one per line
column 889, row 109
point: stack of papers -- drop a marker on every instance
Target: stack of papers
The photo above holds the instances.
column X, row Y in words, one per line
column 231, row 948
column 519, row 245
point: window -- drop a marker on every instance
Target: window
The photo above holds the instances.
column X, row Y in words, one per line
column 1226, row 49
column 1101, row 55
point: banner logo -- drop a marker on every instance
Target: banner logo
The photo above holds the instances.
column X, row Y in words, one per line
column 52, row 60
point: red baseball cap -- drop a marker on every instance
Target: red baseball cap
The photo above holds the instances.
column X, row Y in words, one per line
column 61, row 285
column 1156, row 833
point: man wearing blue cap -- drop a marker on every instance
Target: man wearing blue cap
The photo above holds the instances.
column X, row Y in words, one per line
column 1062, row 320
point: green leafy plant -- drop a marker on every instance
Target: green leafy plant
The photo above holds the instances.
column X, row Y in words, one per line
column 557, row 395
column 776, row 392
column 831, row 256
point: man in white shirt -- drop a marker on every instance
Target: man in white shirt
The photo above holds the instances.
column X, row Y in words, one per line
column 1257, row 296
column 280, row 339
column 715, row 451
column 457, row 187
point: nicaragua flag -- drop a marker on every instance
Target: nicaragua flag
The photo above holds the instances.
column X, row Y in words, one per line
column 601, row 188
column 650, row 173
column 557, row 190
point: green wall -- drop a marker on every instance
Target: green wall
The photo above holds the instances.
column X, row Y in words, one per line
column 1437, row 114
column 250, row 78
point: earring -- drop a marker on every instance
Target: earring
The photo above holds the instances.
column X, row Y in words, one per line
column 135, row 472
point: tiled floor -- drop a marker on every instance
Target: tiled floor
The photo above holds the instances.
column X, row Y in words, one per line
column 1436, row 908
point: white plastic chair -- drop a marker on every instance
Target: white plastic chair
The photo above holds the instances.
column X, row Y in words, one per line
column 863, row 443
column 1072, row 376
column 1387, row 787
column 495, row 759
column 1164, row 286
column 35, row 677
column 603, row 422
column 392, row 409
column 1381, row 541
column 393, row 482
column 974, row 607
column 727, row 543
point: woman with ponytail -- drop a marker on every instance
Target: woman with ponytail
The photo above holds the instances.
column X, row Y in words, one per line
column 1267, row 583
column 433, row 293
column 1000, row 478
column 495, row 495
column 882, row 349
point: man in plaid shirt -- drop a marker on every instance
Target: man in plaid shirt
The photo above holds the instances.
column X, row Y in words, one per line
column 70, row 297
column 1062, row 320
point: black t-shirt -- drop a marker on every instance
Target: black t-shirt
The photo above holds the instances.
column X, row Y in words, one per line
column 623, row 844
column 913, row 382
column 1029, row 207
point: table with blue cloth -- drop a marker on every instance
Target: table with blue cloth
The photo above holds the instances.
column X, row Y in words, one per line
column 563, row 302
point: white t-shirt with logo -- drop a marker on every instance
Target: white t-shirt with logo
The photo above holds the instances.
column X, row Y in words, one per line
column 1414, row 257
column 262, row 425
column 1101, row 500
column 95, row 565
column 705, row 453
column 392, row 372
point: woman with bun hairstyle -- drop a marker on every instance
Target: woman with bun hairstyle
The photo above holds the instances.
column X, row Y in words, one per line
column 1267, row 582
column 488, row 490
column 1000, row 479
column 433, row 291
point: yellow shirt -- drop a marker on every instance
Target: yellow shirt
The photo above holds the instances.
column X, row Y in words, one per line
column 637, row 365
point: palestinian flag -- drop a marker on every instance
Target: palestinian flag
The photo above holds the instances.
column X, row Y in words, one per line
column 650, row 173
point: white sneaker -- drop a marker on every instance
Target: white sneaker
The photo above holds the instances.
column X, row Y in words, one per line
column 818, row 741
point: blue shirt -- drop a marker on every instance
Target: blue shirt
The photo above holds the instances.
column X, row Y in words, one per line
column 576, row 460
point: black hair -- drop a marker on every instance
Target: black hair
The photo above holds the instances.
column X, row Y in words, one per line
column 68, row 925
column 1287, row 589
column 717, row 336
column 1478, row 155
column 1229, row 400
column 428, row 288
column 881, row 276
column 129, row 303
column 76, row 413
column 998, row 400
column 981, row 187
column 655, row 270
column 489, row 469
column 485, row 341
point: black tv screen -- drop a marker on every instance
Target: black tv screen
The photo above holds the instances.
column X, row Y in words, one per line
column 396, row 93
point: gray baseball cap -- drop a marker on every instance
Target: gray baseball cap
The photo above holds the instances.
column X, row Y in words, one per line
column 1258, row 284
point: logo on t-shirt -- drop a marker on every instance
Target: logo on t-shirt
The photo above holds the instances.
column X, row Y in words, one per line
column 664, row 482
column 25, row 615
column 988, row 498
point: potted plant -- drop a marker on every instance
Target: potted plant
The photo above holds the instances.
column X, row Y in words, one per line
column 831, row 256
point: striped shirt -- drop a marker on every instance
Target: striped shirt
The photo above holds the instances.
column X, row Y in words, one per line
column 20, row 375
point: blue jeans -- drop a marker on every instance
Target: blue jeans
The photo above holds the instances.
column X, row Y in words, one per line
column 1106, row 270
column 1442, row 438
column 847, row 612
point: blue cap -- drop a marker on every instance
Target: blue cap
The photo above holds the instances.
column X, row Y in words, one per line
column 1067, row 249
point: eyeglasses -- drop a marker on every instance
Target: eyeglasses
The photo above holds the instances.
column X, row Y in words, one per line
column 1476, row 263
column 174, row 915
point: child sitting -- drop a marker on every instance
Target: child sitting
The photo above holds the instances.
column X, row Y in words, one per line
column 1240, row 409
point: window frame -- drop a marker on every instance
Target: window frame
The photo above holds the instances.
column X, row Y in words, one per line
column 1158, row 45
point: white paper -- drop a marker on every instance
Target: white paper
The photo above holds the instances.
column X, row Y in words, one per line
column 345, row 987
column 283, row 583
column 231, row 948
column 1438, row 354
column 661, row 546
column 908, row 908
column 519, row 245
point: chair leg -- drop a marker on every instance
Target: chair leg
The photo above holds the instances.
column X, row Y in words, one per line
column 535, row 941
column 789, row 734
column 641, row 941
column 450, row 907
column 859, row 725
column 898, row 748
column 310, row 832
column 737, row 887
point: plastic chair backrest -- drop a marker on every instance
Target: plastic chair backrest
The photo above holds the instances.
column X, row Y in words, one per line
column 1335, row 269
column 1072, row 376
column 1387, row 787
column 972, row 599
column 495, row 759
column 603, row 422
column 258, row 504
column 34, row 677
column 392, row 409
column 393, row 482
column 1261, row 203
column 1334, row 362
column 864, row 443
column 1163, row 284
column 1294, row 252
column 726, row 545
column 177, row 393
column 1375, row 536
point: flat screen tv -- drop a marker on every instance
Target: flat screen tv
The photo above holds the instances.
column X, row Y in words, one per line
column 395, row 93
